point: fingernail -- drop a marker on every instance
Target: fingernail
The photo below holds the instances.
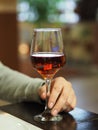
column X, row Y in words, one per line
column 51, row 105
column 55, row 112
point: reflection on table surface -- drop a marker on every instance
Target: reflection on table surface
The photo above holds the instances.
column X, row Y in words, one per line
column 78, row 119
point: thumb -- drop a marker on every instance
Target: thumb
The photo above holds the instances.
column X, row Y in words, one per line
column 42, row 92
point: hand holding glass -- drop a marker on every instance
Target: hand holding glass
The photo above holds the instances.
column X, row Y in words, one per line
column 47, row 58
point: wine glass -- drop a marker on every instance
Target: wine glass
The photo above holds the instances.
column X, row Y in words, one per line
column 47, row 58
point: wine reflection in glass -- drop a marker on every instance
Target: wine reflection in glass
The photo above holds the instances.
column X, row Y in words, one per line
column 47, row 58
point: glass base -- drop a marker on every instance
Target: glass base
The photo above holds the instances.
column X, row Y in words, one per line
column 46, row 116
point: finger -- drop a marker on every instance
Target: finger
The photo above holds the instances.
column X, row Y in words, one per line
column 59, row 104
column 59, row 89
column 69, row 108
column 71, row 102
column 65, row 103
column 55, row 93
column 74, row 103
column 42, row 92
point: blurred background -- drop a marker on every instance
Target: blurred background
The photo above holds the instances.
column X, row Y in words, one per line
column 78, row 20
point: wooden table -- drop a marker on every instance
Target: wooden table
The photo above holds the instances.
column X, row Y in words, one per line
column 78, row 119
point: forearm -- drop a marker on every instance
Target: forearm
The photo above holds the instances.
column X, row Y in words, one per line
column 15, row 86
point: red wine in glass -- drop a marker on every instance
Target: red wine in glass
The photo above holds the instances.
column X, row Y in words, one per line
column 47, row 64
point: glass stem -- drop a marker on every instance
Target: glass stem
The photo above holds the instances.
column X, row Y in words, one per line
column 48, row 85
